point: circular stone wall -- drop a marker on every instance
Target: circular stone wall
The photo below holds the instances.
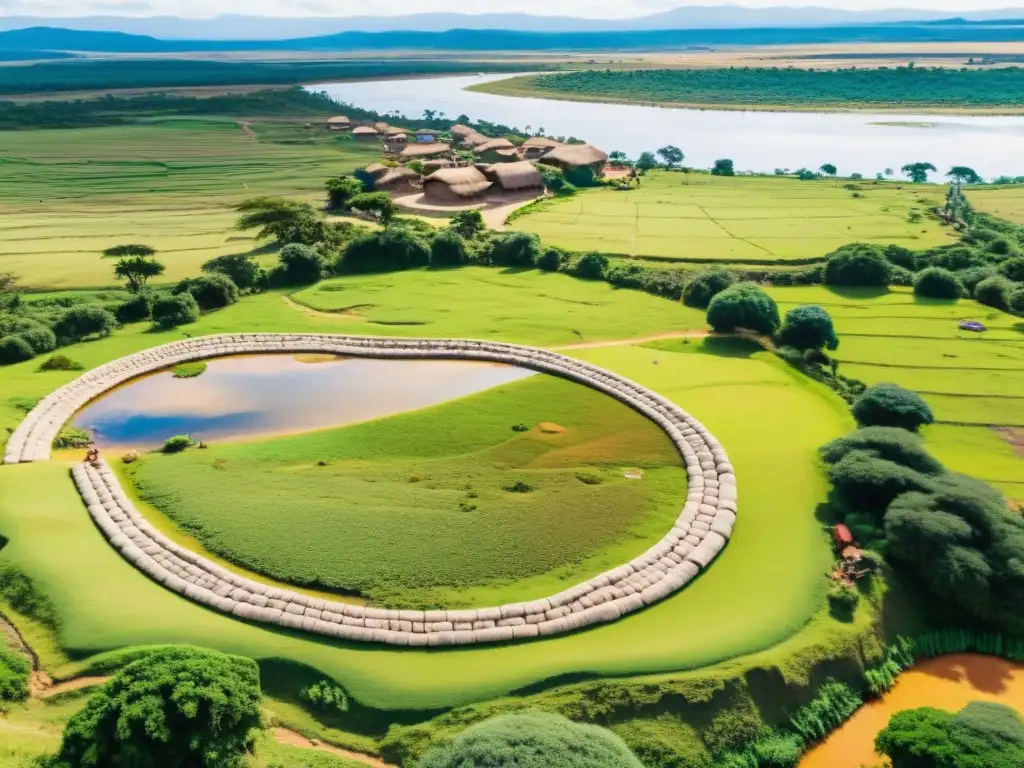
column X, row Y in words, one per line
column 701, row 531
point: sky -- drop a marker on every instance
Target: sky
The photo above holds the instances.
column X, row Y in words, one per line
column 586, row 8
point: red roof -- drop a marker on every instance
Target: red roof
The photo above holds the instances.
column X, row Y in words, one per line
column 842, row 534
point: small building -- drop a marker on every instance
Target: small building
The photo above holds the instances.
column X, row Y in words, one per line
column 395, row 142
column 842, row 536
column 516, row 177
column 426, row 135
column 400, row 179
column 381, row 127
column 421, row 151
column 570, row 157
column 338, row 123
column 474, row 139
column 456, row 185
column 366, row 133
column 496, row 151
column 538, row 146
column 462, row 131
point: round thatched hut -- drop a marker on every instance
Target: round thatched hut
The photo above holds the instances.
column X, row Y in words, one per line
column 496, row 151
column 366, row 133
column 569, row 157
column 538, row 146
column 419, row 151
column 338, row 123
column 398, row 179
column 516, row 177
column 456, row 185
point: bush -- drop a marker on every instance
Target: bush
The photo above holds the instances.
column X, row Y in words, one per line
column 778, row 750
column 591, row 266
column 938, row 283
column 830, row 708
column 60, row 363
column 468, row 224
column 745, row 306
column 868, row 483
column 83, row 321
column 212, row 291
column 808, row 328
column 1001, row 246
column 842, row 601
column 448, row 249
column 299, row 265
column 956, row 258
column 551, row 260
column 135, row 309
column 705, row 285
column 189, row 370
column 516, row 249
column 857, row 265
column 325, row 695
column 39, row 337
column 14, row 349
column 971, row 276
column 1013, row 269
column 174, row 310
column 14, row 670
column 889, row 443
column 532, row 740
column 177, row 444
column 72, row 437
column 341, row 189
column 179, row 707
column 994, row 292
column 900, row 257
column 1016, row 302
column 243, row 270
column 901, row 276
column 386, row 250
column 21, row 593
column 890, row 405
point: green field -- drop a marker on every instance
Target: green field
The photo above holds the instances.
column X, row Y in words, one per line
column 1007, row 202
column 409, row 513
column 699, row 217
column 66, row 195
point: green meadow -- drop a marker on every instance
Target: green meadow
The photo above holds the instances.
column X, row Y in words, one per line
column 1007, row 202
column 698, row 217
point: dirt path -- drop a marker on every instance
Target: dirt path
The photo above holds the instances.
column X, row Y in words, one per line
column 637, row 340
column 246, row 127
column 310, row 312
column 293, row 739
column 44, row 688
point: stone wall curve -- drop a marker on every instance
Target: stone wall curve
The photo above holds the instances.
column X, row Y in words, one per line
column 701, row 531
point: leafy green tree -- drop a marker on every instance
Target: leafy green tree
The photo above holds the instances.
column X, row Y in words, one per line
column 551, row 260
column 619, row 158
column 14, row 671
column 995, row 292
column 866, row 482
column 299, row 265
column 170, row 311
column 890, row 443
column 1013, row 269
column 671, row 155
column 981, row 735
column 890, row 405
column 516, row 249
column 647, row 161
column 179, row 707
column 964, row 175
column 857, row 265
column 131, row 249
column 378, row 204
column 212, row 291
column 743, row 306
column 591, row 266
column 284, row 221
column 447, row 249
column 705, row 285
column 829, row 169
column 938, row 283
column 340, row 190
column 243, row 270
column 136, row 309
column 808, row 327
column 387, row 250
column 918, row 172
column 468, row 224
column 137, row 270
column 723, row 167
column 83, row 321
column 532, row 740
column 14, row 349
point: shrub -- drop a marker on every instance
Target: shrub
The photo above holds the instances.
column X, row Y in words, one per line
column 591, row 266
column 808, row 328
column 468, row 224
column 733, row 729
column 1013, row 269
column 519, row 487
column 14, row 349
column 889, row 443
column 938, row 283
column 866, row 482
column 299, row 265
column 890, row 405
column 21, row 593
column 174, row 310
column 60, row 363
column 842, row 601
column 516, row 249
column 179, row 707
column 177, row 444
column 377, row 204
column 971, row 276
column 1002, row 246
column 994, row 292
column 956, row 258
column 135, row 309
column 900, row 257
column 212, row 291
column 14, row 670
column 448, row 249
column 778, row 750
column 325, row 695
column 39, row 337
column 341, row 189
column 829, row 709
column 705, row 285
column 386, row 250
column 244, row 271
column 551, row 260
column 1016, row 302
column 83, row 321
column 857, row 265
column 746, row 306
column 900, row 276
column 189, row 370
column 72, row 437
column 532, row 740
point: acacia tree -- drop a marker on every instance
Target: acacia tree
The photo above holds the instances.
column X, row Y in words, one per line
column 829, row 169
column 131, row 249
column 964, row 175
column 137, row 270
column 918, row 172
column 671, row 155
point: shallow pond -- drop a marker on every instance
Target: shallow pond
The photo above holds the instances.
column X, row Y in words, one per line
column 263, row 395
column 861, row 142
column 949, row 683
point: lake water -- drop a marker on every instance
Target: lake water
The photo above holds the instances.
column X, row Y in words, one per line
column 857, row 142
column 948, row 682
column 261, row 395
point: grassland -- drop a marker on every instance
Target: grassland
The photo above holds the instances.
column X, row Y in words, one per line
column 697, row 217
column 67, row 195
column 1005, row 202
column 765, row 588
column 407, row 512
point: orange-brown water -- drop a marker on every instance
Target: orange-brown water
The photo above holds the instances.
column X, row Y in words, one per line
column 949, row 683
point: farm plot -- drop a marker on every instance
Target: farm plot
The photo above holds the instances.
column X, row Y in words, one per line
column 1007, row 202
column 697, row 217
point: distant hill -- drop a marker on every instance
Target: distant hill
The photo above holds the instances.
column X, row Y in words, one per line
column 245, row 27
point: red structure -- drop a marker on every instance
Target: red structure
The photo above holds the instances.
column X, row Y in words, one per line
column 842, row 536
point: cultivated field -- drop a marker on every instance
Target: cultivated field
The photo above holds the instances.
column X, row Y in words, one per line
column 1005, row 202
column 66, row 195
column 697, row 217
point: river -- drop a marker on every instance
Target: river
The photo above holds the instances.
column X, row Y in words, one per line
column 856, row 142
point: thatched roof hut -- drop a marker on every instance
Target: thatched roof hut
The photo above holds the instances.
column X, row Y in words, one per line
column 473, row 139
column 376, row 170
column 495, row 144
column 429, row 166
column 381, row 127
column 512, row 177
column 414, row 151
column 392, row 131
column 538, row 146
column 396, row 179
column 456, row 185
column 461, row 131
column 570, row 156
column 338, row 123
column 365, row 132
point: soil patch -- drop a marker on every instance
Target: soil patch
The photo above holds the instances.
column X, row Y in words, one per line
column 42, row 687
column 293, row 739
column 1014, row 436
column 550, row 428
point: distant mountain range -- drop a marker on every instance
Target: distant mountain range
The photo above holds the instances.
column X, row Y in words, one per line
column 252, row 28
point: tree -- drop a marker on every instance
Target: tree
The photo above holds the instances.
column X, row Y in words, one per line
column 299, row 265
column 671, row 155
column 647, row 161
column 743, row 306
column 340, row 190
column 135, row 249
column 174, row 310
column 467, row 224
column 1013, row 269
column 212, row 291
column 724, row 167
column 448, row 249
column 14, row 349
column 591, row 266
column 705, row 285
column 918, row 172
column 244, row 271
column 618, row 158
column 532, row 740
column 551, row 260
column 386, row 250
column 938, row 283
column 808, row 327
column 83, row 321
column 284, row 221
column 890, row 443
column 378, row 204
column 136, row 309
column 890, row 405
column 137, row 270
column 516, row 249
column 995, row 292
column 964, row 175
column 829, row 169
column 858, row 265
column 1016, row 303
column 178, row 707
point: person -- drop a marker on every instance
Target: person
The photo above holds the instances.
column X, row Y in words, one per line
column 93, row 455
